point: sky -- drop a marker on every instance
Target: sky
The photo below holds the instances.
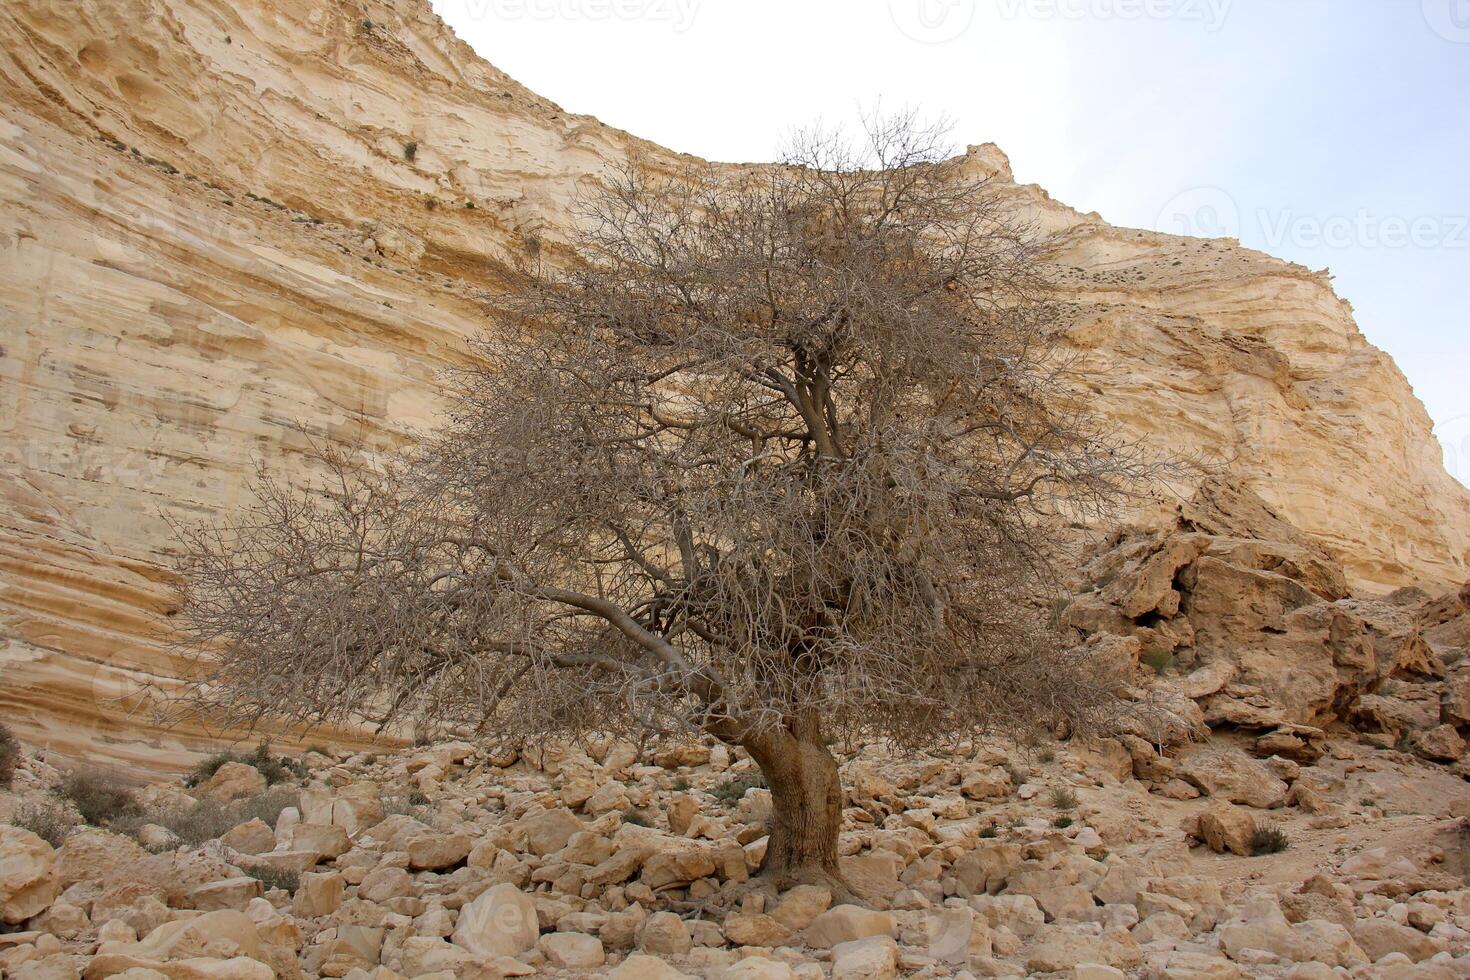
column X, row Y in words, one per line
column 1334, row 133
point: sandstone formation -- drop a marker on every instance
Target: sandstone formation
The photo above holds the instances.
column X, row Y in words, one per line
column 222, row 221
column 1259, row 637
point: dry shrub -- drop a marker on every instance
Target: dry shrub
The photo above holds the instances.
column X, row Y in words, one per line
column 210, row 819
column 101, row 796
column 10, row 756
column 48, row 818
column 1269, row 840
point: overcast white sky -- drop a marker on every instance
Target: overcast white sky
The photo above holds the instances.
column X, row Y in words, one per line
column 1335, row 133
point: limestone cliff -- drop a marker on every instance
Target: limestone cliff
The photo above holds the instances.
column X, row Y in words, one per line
column 219, row 219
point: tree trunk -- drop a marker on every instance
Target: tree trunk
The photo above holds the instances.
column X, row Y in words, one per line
column 806, row 801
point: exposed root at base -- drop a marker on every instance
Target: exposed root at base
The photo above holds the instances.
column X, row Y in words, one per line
column 787, row 878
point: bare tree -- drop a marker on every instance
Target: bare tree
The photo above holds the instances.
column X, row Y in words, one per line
column 772, row 458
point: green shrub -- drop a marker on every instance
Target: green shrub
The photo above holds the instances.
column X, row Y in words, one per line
column 204, row 771
column 274, row 877
column 410, row 150
column 101, row 797
column 733, row 790
column 1269, row 840
column 1062, row 823
column 988, row 832
column 1047, row 756
column 275, row 769
column 1063, row 799
column 48, row 819
column 681, row 784
column 1159, row 660
column 210, row 819
column 404, row 805
column 9, row 756
column 418, row 798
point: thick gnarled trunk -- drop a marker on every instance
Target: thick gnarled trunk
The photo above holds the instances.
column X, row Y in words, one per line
column 806, row 802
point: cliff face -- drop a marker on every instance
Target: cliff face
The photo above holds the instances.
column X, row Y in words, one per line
column 219, row 220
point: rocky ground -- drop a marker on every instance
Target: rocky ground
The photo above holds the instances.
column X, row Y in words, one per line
column 987, row 860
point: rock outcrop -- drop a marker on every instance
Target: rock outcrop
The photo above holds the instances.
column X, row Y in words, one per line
column 1260, row 631
column 221, row 221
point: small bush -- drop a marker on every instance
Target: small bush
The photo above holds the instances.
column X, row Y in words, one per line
column 205, row 770
column 275, row 769
column 1062, row 823
column 9, row 756
column 1048, row 756
column 410, row 150
column 48, row 819
column 1159, row 660
column 266, row 806
column 988, row 832
column 733, row 790
column 274, row 877
column 100, row 797
column 1063, row 799
column 404, row 805
column 681, row 784
column 635, row 818
column 210, row 819
column 1269, row 840
column 418, row 798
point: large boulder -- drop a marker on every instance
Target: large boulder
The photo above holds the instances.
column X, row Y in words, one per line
column 846, row 923
column 1380, row 937
column 354, row 807
column 642, row 967
column 435, row 851
column 29, row 881
column 549, row 830
column 1234, row 777
column 226, row 937
column 874, row 958
column 500, row 922
column 1227, row 828
column 233, row 781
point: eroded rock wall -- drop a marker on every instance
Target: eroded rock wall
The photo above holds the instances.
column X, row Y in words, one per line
column 219, row 221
